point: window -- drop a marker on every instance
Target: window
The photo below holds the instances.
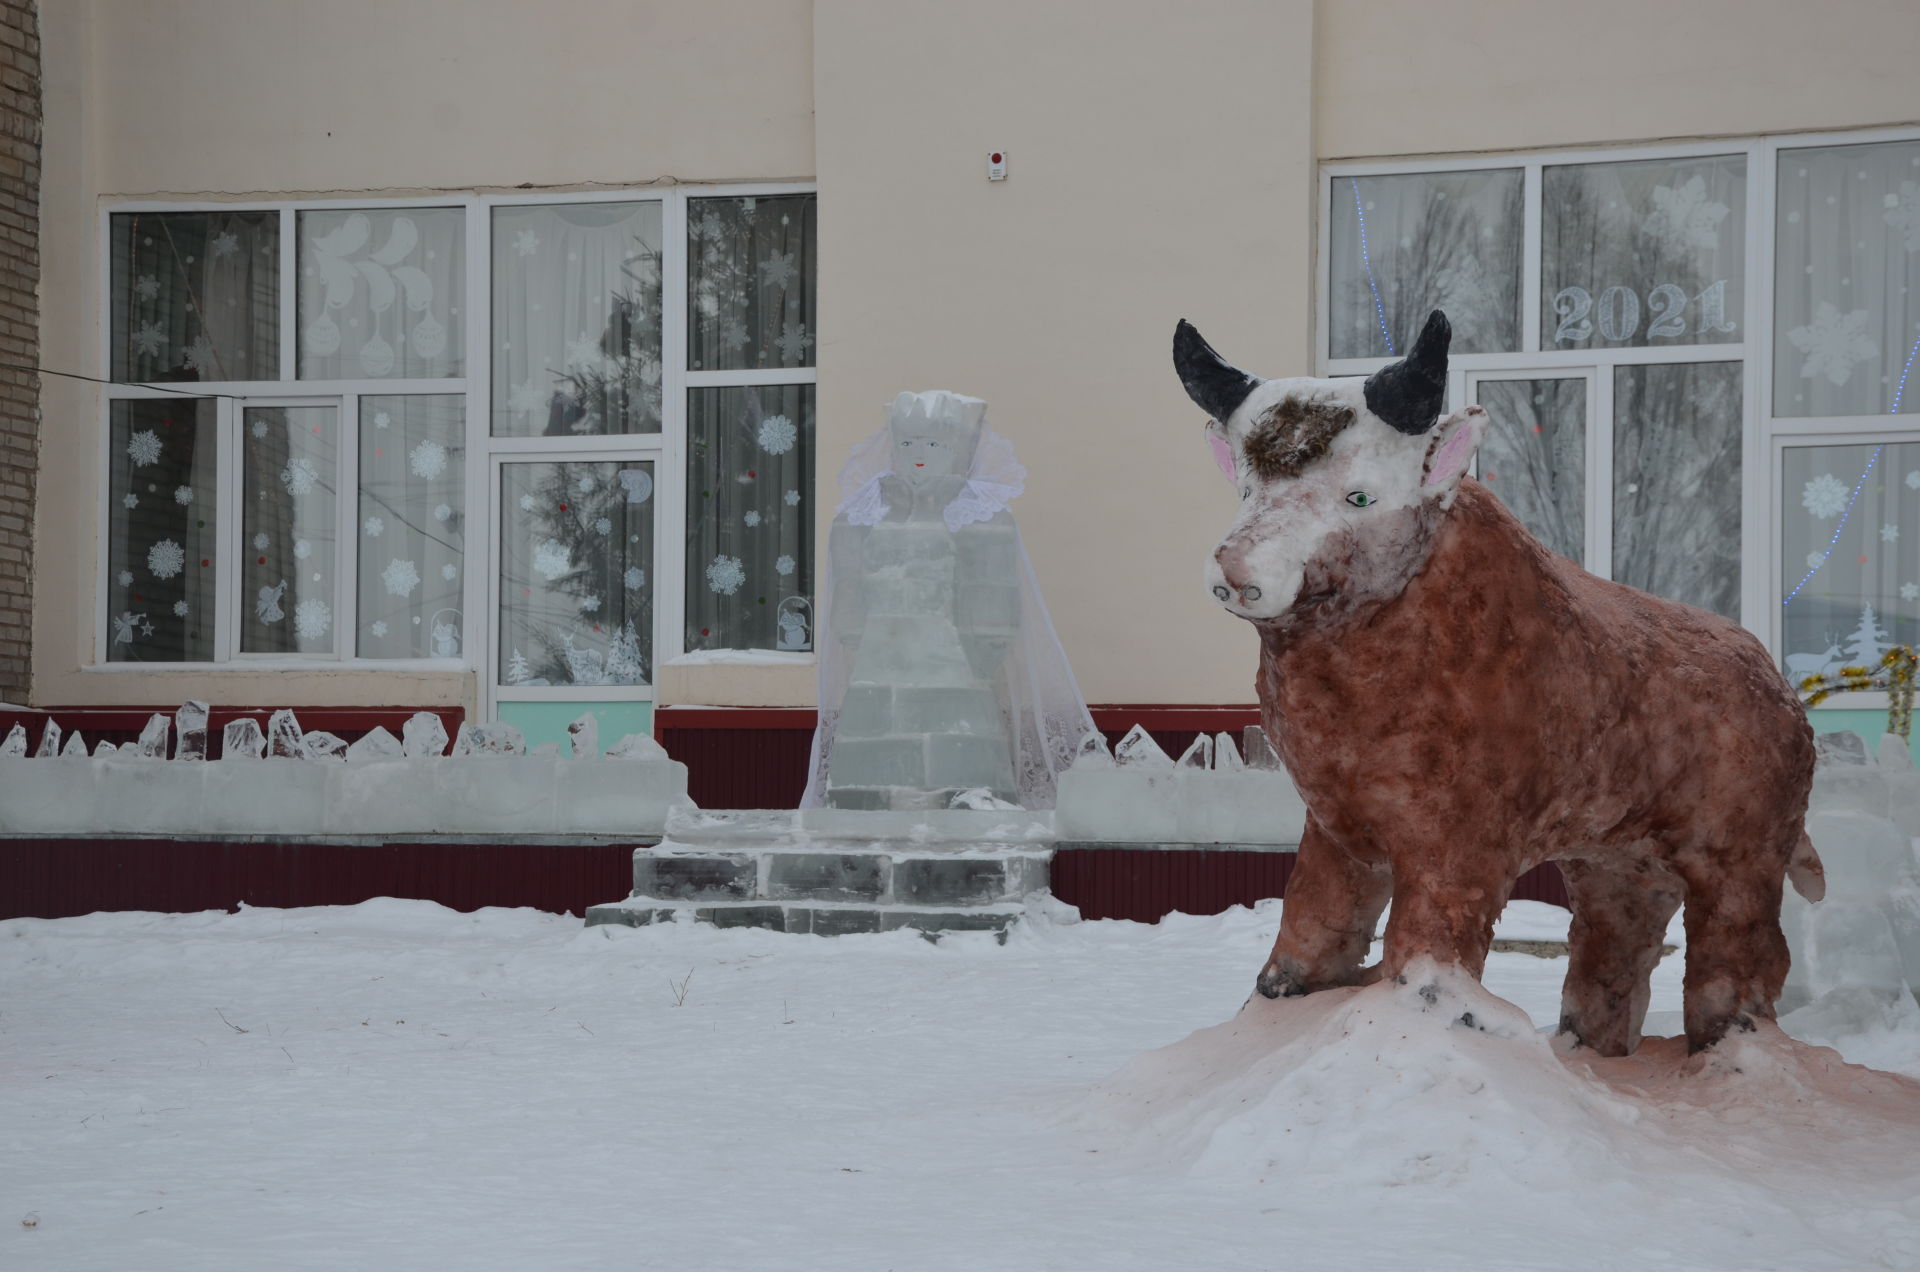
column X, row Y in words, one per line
column 292, row 470
column 1629, row 431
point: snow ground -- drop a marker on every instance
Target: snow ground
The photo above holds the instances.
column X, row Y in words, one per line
column 395, row 1085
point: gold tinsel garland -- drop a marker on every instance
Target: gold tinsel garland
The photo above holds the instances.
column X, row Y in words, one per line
column 1894, row 674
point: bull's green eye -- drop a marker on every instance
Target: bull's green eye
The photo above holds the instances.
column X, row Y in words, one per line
column 1360, row 498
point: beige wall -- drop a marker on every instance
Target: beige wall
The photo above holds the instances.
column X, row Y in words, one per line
column 206, row 98
column 1415, row 77
column 1159, row 165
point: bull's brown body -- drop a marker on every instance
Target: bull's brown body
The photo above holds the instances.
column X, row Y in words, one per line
column 1508, row 708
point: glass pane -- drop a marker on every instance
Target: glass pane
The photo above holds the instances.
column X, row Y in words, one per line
column 161, row 509
column 1849, row 554
column 1404, row 246
column 576, row 573
column 288, row 513
column 576, row 319
column 380, row 294
column 750, row 517
column 1676, row 482
column 1535, row 457
column 412, row 526
column 1846, row 292
column 196, row 296
column 750, row 272
column 1645, row 253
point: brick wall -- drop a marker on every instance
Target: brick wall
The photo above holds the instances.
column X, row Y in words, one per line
column 19, row 333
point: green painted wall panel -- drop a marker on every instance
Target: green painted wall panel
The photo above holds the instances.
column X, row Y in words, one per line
column 548, row 721
column 1870, row 725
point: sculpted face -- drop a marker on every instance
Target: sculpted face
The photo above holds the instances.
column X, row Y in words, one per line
column 1342, row 483
column 919, row 456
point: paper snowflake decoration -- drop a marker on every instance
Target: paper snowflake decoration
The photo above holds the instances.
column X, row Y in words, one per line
column 428, row 460
column 382, row 420
column 783, row 565
column 1913, row 480
column 526, row 503
column 1815, row 560
column 1825, row 496
column 181, row 609
column 165, row 559
column 1903, row 213
column 379, row 627
column 526, row 242
column 373, row 527
column 603, row 526
column 725, row 575
column 777, row 434
column 302, row 549
column 793, row 341
column 143, row 448
column 300, row 476
column 259, row 428
column 442, row 511
column 1834, row 343
column 129, row 500
column 792, row 498
column 1685, row 217
column 751, row 517
column 449, row 572
column 638, row 484
column 260, row 542
column 147, row 288
column 1889, row 532
column 183, row 495
column 527, row 397
column 400, row 577
column 149, row 339
column 589, row 604
column 635, row 578
column 584, row 353
column 550, row 559
column 200, row 354
column 733, row 332
column 225, row 244
column 778, row 269
column 584, row 485
column 126, row 578
column 1909, row 591
column 311, row 618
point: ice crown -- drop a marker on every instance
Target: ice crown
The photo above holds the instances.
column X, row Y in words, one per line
column 936, row 411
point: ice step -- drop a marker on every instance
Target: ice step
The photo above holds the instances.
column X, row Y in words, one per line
column 816, row 919
column 673, row 873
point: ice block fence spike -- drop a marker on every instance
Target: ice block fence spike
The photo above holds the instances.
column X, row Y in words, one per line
column 155, row 737
column 76, row 747
column 285, row 740
column 1198, row 755
column 101, row 750
column 242, row 740
column 424, row 736
column 637, row 746
column 1138, row 750
column 1226, row 756
column 49, row 740
column 1093, row 752
column 16, row 742
column 322, row 745
column 375, row 744
column 190, row 731
column 585, row 733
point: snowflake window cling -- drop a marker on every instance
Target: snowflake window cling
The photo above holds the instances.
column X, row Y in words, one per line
column 165, row 559
column 1834, row 343
column 302, row 549
column 725, row 575
column 311, row 618
column 751, row 517
column 300, row 476
column 183, row 495
column 603, row 525
column 1825, row 496
column 449, row 572
column 130, row 501
column 147, row 288
column 777, row 435
column 442, row 511
column 181, row 609
column 427, row 460
column 1686, row 217
column 793, row 341
column 149, row 339
column 791, row 498
column 379, row 627
column 400, row 577
column 550, row 559
column 143, row 448
column 126, row 578
column 783, row 565
column 260, row 542
column 635, row 578
column 589, row 604
column 373, row 528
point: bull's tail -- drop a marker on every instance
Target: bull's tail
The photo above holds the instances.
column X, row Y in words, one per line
column 1804, row 870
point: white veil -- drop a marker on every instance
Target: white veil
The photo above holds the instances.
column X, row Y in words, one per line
column 1038, row 697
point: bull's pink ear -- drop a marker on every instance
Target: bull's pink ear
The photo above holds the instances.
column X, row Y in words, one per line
column 1455, row 440
column 1222, row 454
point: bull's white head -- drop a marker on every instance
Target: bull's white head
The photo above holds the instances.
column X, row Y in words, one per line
column 1342, row 483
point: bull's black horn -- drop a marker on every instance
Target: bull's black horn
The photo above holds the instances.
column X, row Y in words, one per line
column 1215, row 385
column 1409, row 393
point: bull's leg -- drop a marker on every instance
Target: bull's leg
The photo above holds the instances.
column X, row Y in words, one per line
column 1736, row 955
column 1444, row 910
column 1619, row 918
column 1333, row 901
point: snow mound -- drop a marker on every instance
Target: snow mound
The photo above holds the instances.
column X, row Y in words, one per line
column 1437, row 1084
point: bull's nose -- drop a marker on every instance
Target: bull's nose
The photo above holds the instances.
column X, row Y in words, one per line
column 1221, row 594
column 1249, row 593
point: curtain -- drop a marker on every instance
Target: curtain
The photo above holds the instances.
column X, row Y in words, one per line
column 289, row 466
column 380, row 293
column 412, row 518
column 1849, row 553
column 750, row 283
column 196, row 296
column 1846, row 317
column 162, row 505
column 576, row 319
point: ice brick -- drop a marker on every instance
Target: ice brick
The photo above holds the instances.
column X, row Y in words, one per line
column 585, row 733
column 424, row 736
column 1257, row 748
column 1093, row 752
column 632, row 798
column 383, row 794
column 76, row 746
column 1843, row 747
column 155, row 737
column 375, row 744
column 190, row 728
column 242, row 740
column 49, row 741
column 285, row 739
column 16, row 743
column 1226, row 756
column 1199, row 755
column 322, row 745
column 278, row 795
column 1139, row 750
column 637, row 746
column 488, row 794
column 49, row 798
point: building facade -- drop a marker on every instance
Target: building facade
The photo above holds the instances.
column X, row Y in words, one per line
column 467, row 354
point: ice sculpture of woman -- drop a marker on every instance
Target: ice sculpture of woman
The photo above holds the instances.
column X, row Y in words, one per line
column 940, row 672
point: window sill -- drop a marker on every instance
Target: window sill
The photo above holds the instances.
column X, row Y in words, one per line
column 282, row 664
column 741, row 658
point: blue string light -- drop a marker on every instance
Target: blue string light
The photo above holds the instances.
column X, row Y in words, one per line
column 1899, row 392
column 1379, row 310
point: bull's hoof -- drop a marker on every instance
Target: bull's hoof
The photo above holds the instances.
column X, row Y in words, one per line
column 1713, row 1031
column 1274, row 983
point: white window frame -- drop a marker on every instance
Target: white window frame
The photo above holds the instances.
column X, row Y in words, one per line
column 666, row 450
column 1764, row 434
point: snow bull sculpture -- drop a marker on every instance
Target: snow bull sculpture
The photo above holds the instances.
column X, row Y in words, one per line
column 1458, row 705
